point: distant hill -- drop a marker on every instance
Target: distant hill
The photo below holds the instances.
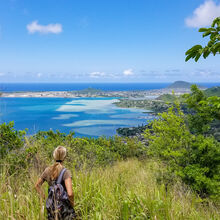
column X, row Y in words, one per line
column 170, row 98
column 182, row 85
column 90, row 90
column 214, row 91
column 167, row 98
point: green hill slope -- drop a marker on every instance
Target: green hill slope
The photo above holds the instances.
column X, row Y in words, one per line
column 167, row 98
column 214, row 91
column 180, row 84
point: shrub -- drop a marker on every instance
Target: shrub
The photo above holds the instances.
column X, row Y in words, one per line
column 196, row 159
column 10, row 139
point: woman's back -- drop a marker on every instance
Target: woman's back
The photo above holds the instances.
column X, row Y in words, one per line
column 47, row 175
column 50, row 175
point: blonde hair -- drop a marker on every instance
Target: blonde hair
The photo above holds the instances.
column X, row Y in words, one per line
column 59, row 155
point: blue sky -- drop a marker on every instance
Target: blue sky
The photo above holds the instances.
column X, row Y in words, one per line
column 104, row 40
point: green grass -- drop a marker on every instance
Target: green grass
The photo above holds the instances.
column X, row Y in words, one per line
column 126, row 190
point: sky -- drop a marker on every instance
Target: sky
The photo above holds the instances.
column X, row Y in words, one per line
column 104, row 40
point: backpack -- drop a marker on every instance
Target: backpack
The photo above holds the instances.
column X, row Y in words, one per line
column 57, row 202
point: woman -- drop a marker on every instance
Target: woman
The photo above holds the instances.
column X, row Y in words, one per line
column 50, row 175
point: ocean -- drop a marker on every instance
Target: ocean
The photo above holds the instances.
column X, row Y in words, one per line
column 14, row 87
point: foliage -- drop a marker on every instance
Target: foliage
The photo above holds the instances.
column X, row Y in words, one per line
column 206, row 109
column 19, row 151
column 167, row 98
column 10, row 139
column 213, row 46
column 196, row 159
column 131, row 131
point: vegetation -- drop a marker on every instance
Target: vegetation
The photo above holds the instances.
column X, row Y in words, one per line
column 155, row 106
column 214, row 91
column 213, row 46
column 10, row 139
column 127, row 190
column 89, row 90
column 131, row 131
column 194, row 158
column 167, row 98
column 107, row 184
column 206, row 110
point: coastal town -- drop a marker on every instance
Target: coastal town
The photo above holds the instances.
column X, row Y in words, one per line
column 176, row 87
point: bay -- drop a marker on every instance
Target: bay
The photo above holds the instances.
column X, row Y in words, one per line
column 90, row 117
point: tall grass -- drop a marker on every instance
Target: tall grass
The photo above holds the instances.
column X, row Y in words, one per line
column 126, row 190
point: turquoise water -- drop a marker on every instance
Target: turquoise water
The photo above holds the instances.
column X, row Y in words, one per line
column 91, row 117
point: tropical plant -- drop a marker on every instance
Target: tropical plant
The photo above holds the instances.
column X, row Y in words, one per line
column 194, row 158
column 10, row 139
column 213, row 46
column 205, row 110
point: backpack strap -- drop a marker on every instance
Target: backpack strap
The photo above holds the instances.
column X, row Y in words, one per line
column 60, row 177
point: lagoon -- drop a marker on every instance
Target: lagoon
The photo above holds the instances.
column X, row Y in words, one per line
column 90, row 117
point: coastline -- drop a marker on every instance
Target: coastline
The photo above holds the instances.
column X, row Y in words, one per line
column 144, row 94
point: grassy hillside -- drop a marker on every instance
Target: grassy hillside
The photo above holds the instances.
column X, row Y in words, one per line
column 214, row 91
column 167, row 98
column 127, row 190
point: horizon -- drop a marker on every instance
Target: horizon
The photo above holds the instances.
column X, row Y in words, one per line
column 95, row 41
column 105, row 82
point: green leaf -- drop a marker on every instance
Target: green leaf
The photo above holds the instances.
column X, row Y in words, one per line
column 193, row 49
column 188, row 57
column 198, row 56
column 196, row 47
column 217, row 45
column 206, row 52
column 207, row 33
column 216, row 21
column 203, row 29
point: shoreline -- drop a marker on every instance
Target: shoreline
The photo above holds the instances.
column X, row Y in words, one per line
column 143, row 94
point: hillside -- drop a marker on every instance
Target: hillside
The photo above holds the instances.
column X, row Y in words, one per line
column 127, row 190
column 111, row 180
column 214, row 91
column 180, row 85
column 90, row 91
column 167, row 98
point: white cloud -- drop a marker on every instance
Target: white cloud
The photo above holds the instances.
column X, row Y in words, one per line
column 205, row 74
column 128, row 72
column 39, row 75
column 204, row 14
column 96, row 74
column 44, row 29
column 2, row 74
